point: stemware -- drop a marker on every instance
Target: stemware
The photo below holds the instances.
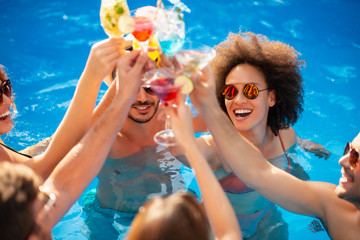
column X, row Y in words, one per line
column 194, row 56
column 170, row 30
column 170, row 27
column 144, row 29
column 110, row 13
column 164, row 86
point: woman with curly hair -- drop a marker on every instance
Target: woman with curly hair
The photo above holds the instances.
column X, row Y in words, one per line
column 259, row 87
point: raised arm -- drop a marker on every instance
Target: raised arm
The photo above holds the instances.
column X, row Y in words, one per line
column 79, row 167
column 102, row 59
column 248, row 163
column 218, row 207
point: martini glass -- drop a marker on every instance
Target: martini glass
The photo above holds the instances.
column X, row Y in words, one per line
column 163, row 84
column 194, row 56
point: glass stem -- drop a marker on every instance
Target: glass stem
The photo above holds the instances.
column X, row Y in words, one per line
column 167, row 122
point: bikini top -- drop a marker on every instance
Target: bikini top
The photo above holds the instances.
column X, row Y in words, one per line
column 23, row 154
column 232, row 184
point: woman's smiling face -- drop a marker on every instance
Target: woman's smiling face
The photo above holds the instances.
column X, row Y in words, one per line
column 246, row 114
column 5, row 114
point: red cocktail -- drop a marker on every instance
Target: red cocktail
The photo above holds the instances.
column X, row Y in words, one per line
column 144, row 27
column 165, row 89
column 163, row 85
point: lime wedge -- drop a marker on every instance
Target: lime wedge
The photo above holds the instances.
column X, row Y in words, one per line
column 185, row 81
column 126, row 24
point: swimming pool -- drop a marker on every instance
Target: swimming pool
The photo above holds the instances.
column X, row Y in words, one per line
column 45, row 44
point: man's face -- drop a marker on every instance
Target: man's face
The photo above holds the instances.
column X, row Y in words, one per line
column 144, row 107
column 349, row 184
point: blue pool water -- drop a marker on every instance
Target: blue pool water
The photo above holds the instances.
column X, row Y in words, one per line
column 45, row 44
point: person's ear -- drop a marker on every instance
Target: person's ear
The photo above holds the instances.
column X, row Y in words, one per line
column 272, row 98
column 33, row 237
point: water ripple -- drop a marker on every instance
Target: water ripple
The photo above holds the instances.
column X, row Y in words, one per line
column 55, row 87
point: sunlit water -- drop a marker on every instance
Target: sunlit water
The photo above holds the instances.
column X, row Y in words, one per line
column 45, row 44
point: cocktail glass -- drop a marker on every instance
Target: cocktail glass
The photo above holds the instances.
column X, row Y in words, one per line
column 163, row 84
column 194, row 56
column 110, row 13
column 170, row 30
column 170, row 27
column 144, row 29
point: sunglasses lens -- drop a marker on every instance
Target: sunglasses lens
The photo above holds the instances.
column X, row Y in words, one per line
column 6, row 89
column 148, row 90
column 347, row 149
column 354, row 155
column 229, row 92
column 354, row 158
column 251, row 91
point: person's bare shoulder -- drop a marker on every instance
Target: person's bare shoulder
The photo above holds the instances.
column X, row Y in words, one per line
column 209, row 149
column 288, row 136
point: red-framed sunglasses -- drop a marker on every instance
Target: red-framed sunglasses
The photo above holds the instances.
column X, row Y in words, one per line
column 5, row 89
column 250, row 91
column 354, row 155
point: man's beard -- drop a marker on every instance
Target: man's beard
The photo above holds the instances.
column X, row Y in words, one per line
column 142, row 120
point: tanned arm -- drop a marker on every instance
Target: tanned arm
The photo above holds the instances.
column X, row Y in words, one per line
column 221, row 215
column 79, row 167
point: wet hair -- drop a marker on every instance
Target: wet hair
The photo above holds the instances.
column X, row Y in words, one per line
column 279, row 64
column 177, row 217
column 18, row 190
column 3, row 77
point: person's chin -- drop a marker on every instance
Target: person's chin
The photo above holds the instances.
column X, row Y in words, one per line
column 5, row 129
column 341, row 190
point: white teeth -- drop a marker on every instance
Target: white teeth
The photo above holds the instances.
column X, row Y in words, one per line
column 5, row 114
column 141, row 108
column 242, row 111
column 345, row 178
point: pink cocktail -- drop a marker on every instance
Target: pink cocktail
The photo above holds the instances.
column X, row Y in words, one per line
column 144, row 28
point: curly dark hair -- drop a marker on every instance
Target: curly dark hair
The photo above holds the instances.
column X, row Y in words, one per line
column 278, row 63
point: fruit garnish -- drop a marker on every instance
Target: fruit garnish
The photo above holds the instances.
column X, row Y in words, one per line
column 185, row 81
column 126, row 24
column 119, row 8
column 153, row 42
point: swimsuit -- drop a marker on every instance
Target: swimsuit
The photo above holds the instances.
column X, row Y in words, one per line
column 23, row 154
column 125, row 184
column 232, row 184
column 250, row 207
